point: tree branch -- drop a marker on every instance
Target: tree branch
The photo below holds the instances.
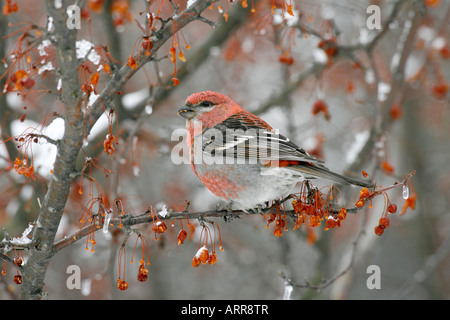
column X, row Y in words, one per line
column 130, row 220
column 119, row 78
column 60, row 182
column 326, row 283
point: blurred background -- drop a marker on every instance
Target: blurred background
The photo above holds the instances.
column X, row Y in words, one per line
column 385, row 90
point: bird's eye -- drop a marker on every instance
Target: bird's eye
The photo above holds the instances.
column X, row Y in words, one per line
column 206, row 104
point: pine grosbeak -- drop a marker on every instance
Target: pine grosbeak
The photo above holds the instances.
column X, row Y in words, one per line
column 242, row 159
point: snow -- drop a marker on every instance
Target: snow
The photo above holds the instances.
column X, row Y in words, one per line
column 365, row 36
column 190, row 3
column 199, row 252
column 163, row 213
column 320, row 56
column 23, row 240
column 383, row 90
column 414, row 64
column 288, row 19
column 287, row 291
column 132, row 99
column 291, row 20
column 108, row 217
column 277, row 17
column 26, row 193
column 15, row 101
column 248, row 45
column 50, row 25
column 44, row 44
column 100, row 125
column 55, row 130
column 92, row 98
column 438, row 43
column 44, row 161
column 44, row 153
column 86, row 48
column 427, row 34
column 356, row 146
column 148, row 109
column 395, row 61
column 86, row 287
column 369, row 76
column 3, row 155
column 46, row 67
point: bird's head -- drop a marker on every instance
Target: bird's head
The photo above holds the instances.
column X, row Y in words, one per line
column 208, row 107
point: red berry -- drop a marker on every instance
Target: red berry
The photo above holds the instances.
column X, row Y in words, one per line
column 17, row 279
column 28, row 83
column 379, row 230
column 384, row 222
column 392, row 208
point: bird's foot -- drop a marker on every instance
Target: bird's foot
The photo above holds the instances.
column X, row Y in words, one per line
column 228, row 207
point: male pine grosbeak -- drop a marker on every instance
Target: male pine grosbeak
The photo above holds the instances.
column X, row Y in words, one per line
column 242, row 159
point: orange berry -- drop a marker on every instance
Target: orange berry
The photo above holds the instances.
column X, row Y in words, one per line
column 122, row 285
column 387, row 167
column 195, row 262
column 360, row 203
column 132, row 62
column 212, row 258
column 331, row 223
column 364, row 193
column 181, row 236
column 142, row 274
column 342, row 214
column 320, row 107
column 202, row 254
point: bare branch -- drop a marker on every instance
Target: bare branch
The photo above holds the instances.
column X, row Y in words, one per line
column 326, row 283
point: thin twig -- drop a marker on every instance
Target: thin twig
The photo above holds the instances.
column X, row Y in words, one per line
column 326, row 283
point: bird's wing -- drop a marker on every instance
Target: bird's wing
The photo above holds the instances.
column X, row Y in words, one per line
column 246, row 136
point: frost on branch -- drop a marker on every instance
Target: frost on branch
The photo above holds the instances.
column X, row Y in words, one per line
column 22, row 241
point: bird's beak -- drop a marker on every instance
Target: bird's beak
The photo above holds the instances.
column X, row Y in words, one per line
column 186, row 112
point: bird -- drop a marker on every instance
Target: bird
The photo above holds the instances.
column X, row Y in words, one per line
column 241, row 159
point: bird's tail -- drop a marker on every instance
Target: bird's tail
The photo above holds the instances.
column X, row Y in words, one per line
column 312, row 171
